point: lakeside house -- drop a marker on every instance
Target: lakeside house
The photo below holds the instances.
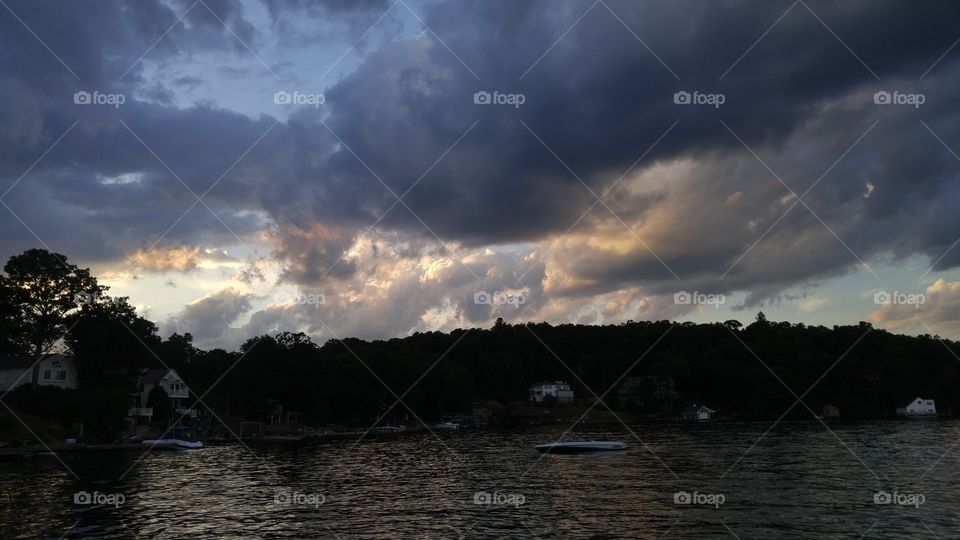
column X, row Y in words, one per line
column 697, row 413
column 171, row 382
column 558, row 390
column 282, row 420
column 53, row 370
column 831, row 411
column 918, row 407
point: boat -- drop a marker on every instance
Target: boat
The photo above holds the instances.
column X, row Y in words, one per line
column 388, row 429
column 446, row 424
column 577, row 445
column 175, row 438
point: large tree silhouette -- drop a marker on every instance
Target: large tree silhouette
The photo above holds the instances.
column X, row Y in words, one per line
column 41, row 289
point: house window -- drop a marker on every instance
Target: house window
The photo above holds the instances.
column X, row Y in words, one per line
column 46, row 375
column 62, row 375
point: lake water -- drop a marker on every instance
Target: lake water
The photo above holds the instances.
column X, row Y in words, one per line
column 800, row 481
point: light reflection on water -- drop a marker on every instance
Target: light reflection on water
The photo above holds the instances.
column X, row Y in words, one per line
column 798, row 482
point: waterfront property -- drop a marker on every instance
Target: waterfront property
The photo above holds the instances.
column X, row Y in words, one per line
column 172, row 384
column 919, row 407
column 53, row 370
column 557, row 390
column 697, row 413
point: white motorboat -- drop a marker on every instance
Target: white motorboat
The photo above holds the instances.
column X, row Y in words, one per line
column 176, row 438
column 577, row 445
column 446, row 424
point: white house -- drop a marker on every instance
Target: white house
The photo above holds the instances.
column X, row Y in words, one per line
column 53, row 370
column 559, row 390
column 171, row 382
column 919, row 407
column 698, row 413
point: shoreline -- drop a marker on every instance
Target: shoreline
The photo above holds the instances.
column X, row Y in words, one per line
column 15, row 454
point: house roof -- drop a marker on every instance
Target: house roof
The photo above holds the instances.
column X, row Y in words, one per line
column 698, row 408
column 154, row 375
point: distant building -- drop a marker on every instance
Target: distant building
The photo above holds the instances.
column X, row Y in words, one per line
column 558, row 390
column 171, row 382
column 697, row 413
column 831, row 411
column 54, row 370
column 281, row 417
column 919, row 407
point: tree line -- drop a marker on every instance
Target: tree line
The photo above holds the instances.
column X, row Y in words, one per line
column 754, row 371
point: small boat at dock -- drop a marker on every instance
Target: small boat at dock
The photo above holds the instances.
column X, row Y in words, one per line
column 451, row 424
column 175, row 438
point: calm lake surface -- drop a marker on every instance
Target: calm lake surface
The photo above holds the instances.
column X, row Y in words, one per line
column 800, row 481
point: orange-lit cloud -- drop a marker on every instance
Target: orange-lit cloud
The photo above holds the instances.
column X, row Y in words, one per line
column 179, row 259
column 933, row 311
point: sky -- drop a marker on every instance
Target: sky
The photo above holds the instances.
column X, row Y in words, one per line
column 374, row 168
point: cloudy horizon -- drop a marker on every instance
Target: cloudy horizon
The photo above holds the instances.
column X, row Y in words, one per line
column 376, row 168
